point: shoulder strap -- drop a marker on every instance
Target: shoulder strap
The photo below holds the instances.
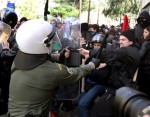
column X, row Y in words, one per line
column 14, row 69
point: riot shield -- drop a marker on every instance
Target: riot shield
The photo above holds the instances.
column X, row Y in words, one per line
column 56, row 44
column 71, row 40
column 5, row 31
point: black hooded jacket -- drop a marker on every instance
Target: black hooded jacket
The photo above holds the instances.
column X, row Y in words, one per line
column 142, row 24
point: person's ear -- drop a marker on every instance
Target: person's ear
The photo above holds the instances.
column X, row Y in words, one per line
column 131, row 42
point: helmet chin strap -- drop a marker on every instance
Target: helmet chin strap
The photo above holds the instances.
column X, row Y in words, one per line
column 47, row 41
column 49, row 49
column 48, row 46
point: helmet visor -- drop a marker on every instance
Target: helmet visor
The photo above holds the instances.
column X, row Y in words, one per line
column 5, row 31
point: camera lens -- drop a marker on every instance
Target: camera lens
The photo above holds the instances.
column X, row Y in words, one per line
column 129, row 102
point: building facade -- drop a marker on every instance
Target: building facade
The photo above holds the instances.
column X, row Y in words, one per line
column 145, row 5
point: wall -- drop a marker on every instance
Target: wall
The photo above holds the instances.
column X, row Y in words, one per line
column 145, row 5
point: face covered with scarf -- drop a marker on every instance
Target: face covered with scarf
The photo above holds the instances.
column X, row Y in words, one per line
column 144, row 19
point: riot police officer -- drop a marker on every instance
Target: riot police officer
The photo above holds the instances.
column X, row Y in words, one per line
column 35, row 79
column 8, row 16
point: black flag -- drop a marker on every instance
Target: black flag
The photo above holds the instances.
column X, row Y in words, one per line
column 46, row 10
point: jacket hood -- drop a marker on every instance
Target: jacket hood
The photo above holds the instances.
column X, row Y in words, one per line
column 144, row 14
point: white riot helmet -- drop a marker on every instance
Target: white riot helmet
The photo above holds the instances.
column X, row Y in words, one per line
column 36, row 37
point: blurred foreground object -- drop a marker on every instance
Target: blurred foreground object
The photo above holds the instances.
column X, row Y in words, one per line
column 129, row 102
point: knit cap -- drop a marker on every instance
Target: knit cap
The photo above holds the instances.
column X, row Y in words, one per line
column 129, row 34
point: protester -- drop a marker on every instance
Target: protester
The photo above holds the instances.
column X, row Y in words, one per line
column 143, row 72
column 124, row 62
column 93, row 29
column 53, row 22
column 9, row 17
column 92, row 87
column 21, row 21
column 142, row 21
column 112, row 40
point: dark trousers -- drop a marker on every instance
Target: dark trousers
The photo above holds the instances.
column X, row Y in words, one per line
column 4, row 87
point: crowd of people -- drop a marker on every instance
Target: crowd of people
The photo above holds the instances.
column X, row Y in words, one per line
column 33, row 64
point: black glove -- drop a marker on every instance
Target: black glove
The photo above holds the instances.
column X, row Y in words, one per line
column 96, row 62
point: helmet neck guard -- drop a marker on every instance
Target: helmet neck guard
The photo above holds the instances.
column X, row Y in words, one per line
column 25, row 61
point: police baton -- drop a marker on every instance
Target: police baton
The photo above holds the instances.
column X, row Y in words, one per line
column 102, row 46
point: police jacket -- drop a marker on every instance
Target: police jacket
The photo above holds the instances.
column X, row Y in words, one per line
column 33, row 87
column 123, row 63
